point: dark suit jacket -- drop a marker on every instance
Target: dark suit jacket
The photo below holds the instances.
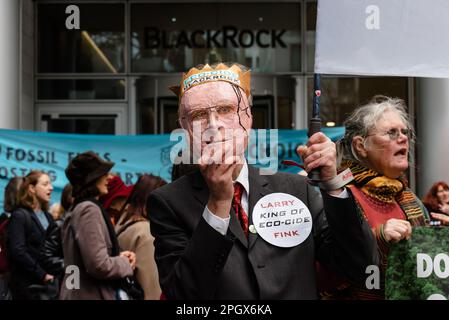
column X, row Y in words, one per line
column 197, row 262
column 25, row 239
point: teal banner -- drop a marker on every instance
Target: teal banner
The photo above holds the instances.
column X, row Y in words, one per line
column 418, row 269
column 22, row 151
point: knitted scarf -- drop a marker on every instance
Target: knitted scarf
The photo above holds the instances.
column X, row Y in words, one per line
column 388, row 190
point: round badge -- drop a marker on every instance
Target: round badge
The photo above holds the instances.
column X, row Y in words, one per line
column 282, row 220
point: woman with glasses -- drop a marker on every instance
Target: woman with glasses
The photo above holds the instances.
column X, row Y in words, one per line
column 376, row 148
column 437, row 202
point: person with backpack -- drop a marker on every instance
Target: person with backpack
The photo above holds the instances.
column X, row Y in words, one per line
column 9, row 205
column 26, row 234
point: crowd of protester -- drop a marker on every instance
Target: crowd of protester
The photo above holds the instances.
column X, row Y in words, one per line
column 35, row 243
column 109, row 236
column 113, row 263
column 96, row 241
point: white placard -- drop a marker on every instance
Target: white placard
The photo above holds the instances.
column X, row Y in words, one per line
column 383, row 37
column 282, row 220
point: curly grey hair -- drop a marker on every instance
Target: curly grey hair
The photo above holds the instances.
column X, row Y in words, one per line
column 364, row 119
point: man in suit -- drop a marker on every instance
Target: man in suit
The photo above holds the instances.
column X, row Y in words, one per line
column 206, row 245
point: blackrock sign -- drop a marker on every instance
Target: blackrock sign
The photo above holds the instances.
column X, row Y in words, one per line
column 226, row 37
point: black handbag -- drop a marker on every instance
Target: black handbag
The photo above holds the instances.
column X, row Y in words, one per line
column 132, row 288
column 5, row 293
column 48, row 291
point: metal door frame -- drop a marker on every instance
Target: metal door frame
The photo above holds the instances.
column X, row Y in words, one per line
column 120, row 110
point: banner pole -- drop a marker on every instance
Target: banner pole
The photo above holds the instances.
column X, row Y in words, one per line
column 315, row 122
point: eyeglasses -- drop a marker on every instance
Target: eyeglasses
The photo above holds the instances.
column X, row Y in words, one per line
column 394, row 133
column 226, row 113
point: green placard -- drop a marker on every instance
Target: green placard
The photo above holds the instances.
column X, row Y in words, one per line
column 418, row 269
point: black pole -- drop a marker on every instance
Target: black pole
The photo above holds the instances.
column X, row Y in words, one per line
column 315, row 121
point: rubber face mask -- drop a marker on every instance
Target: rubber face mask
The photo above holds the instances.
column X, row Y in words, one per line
column 217, row 118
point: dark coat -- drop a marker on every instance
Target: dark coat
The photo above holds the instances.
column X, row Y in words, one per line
column 51, row 256
column 197, row 262
column 25, row 240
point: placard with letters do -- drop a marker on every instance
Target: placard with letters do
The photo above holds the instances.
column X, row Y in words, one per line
column 418, row 269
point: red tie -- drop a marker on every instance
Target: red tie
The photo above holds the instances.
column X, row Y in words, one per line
column 237, row 204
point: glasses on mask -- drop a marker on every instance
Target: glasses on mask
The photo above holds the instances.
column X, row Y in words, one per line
column 226, row 113
column 393, row 134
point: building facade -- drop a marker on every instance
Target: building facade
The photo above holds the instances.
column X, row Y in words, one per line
column 104, row 67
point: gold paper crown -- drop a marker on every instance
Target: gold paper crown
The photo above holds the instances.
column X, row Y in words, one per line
column 221, row 72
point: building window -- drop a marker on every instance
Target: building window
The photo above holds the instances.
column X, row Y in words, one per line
column 97, row 47
column 340, row 96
